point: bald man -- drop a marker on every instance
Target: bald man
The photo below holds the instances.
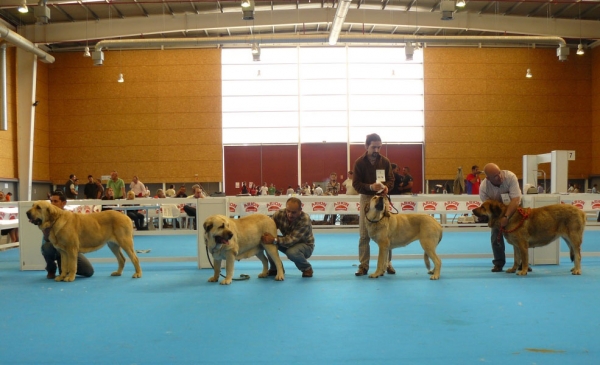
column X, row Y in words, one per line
column 502, row 186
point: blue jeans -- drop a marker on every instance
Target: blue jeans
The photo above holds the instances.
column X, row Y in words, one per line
column 298, row 254
column 498, row 248
column 52, row 257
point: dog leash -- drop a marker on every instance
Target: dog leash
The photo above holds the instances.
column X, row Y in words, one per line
column 524, row 216
column 242, row 276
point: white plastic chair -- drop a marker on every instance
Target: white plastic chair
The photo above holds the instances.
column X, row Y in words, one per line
column 171, row 211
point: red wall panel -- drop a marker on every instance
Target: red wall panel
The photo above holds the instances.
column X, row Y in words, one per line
column 318, row 160
column 410, row 155
column 277, row 164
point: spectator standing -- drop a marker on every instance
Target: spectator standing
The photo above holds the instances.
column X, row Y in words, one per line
column 396, row 190
column 70, row 191
column 117, row 184
column 138, row 188
column 181, row 193
column 372, row 174
column 100, row 192
column 501, row 186
column 170, row 193
column 333, row 186
column 264, row 190
column 407, row 181
column 348, row 185
column 272, row 189
column 90, row 190
column 473, row 181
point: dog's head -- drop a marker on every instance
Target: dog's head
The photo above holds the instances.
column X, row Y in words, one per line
column 43, row 214
column 217, row 231
column 490, row 211
column 378, row 205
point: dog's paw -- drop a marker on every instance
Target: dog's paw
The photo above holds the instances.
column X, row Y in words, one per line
column 115, row 273
column 263, row 275
column 511, row 270
column 522, row 272
column 575, row 271
column 60, row 278
column 375, row 275
column 213, row 279
column 279, row 278
column 225, row 282
column 434, row 277
column 137, row 275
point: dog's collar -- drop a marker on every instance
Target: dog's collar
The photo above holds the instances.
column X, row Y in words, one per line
column 380, row 219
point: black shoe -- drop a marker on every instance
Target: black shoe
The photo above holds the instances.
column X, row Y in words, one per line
column 361, row 271
column 308, row 273
column 497, row 268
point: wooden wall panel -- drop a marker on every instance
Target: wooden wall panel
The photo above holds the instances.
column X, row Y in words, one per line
column 162, row 124
column 8, row 138
column 595, row 82
column 480, row 108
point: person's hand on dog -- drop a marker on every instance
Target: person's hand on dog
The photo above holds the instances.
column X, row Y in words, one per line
column 267, row 238
column 379, row 188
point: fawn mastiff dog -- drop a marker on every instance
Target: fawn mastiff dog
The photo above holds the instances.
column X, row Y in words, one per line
column 72, row 233
column 536, row 227
column 235, row 239
column 398, row 230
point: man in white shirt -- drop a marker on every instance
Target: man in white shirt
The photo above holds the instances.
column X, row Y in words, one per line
column 502, row 186
column 348, row 185
column 138, row 188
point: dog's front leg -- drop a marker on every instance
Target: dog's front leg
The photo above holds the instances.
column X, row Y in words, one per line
column 523, row 256
column 517, row 259
column 382, row 258
column 217, row 271
column 68, row 265
column 229, row 268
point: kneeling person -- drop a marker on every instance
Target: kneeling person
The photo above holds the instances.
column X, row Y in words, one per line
column 297, row 241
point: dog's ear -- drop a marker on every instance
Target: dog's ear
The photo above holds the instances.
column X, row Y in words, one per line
column 50, row 214
column 207, row 227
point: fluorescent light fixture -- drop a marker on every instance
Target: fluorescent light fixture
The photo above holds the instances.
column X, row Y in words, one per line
column 23, row 7
column 121, row 78
column 580, row 50
column 528, row 74
column 86, row 52
column 461, row 3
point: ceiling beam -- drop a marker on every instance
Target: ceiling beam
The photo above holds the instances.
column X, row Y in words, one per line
column 134, row 26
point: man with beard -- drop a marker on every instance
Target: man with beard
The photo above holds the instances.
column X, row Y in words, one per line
column 372, row 174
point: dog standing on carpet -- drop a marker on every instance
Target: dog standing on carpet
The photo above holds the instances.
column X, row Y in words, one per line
column 72, row 233
column 398, row 230
column 235, row 239
column 536, row 227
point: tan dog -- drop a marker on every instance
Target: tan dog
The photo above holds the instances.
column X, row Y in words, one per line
column 72, row 233
column 398, row 230
column 536, row 227
column 235, row 239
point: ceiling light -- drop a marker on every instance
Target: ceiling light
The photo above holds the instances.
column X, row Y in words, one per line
column 255, row 52
column 409, row 51
column 248, row 9
column 461, row 3
column 121, row 78
column 23, row 7
column 86, row 52
column 528, row 74
column 580, row 50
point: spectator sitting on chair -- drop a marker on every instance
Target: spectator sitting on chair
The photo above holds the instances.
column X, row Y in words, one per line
column 170, row 193
column 181, row 193
column 189, row 210
column 135, row 215
column 160, row 194
column 51, row 254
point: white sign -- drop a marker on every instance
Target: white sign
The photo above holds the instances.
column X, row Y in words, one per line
column 571, row 155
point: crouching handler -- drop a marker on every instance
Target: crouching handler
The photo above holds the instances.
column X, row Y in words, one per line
column 297, row 241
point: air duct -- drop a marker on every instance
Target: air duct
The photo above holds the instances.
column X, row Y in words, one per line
column 3, row 87
column 338, row 20
column 21, row 42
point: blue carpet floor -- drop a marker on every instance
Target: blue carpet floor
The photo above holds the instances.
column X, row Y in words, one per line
column 174, row 316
